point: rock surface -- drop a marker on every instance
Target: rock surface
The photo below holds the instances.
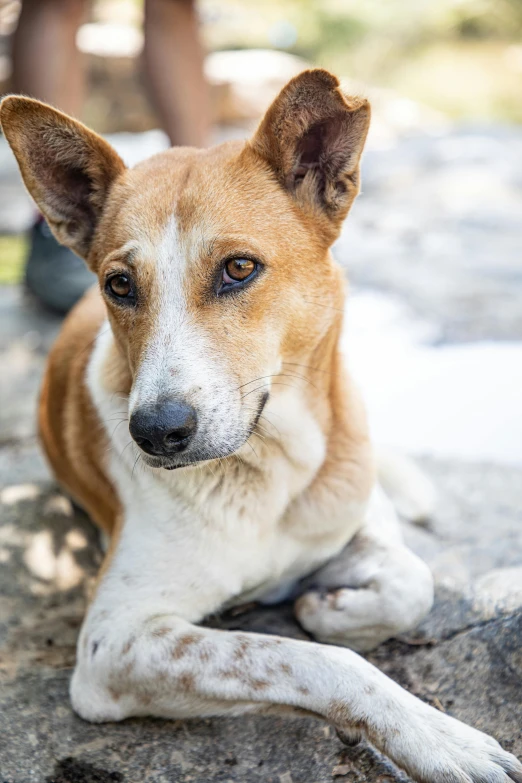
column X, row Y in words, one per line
column 466, row 658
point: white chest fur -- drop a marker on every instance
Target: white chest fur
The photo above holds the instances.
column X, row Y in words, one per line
column 205, row 536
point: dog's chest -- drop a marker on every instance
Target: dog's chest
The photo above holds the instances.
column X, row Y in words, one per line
column 207, row 540
column 196, row 539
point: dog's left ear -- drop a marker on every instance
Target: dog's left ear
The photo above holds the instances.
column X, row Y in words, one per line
column 67, row 168
column 312, row 137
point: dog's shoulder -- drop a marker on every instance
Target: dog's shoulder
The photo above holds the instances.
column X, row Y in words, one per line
column 72, row 435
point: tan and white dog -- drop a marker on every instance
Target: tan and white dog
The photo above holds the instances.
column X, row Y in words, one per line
column 248, row 472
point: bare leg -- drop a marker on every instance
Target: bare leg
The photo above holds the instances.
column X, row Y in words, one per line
column 375, row 588
column 173, row 58
column 47, row 64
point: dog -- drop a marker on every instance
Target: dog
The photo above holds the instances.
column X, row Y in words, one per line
column 198, row 408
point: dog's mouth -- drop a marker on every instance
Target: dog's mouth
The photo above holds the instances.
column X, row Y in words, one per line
column 163, row 463
column 166, row 464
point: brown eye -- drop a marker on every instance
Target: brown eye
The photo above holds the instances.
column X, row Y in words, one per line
column 120, row 285
column 238, row 269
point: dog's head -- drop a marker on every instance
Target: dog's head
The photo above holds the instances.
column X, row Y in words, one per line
column 214, row 264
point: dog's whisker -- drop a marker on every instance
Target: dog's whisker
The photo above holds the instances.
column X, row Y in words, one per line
column 263, row 416
column 276, row 375
column 309, row 367
column 120, row 395
column 320, row 304
column 294, row 375
column 253, row 449
column 134, row 466
column 130, row 443
column 259, row 434
column 264, row 430
column 275, row 383
column 116, row 427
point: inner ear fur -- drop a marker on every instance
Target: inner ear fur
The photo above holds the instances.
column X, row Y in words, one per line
column 312, row 137
column 67, row 168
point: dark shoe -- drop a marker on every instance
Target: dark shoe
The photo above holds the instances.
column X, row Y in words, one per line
column 53, row 273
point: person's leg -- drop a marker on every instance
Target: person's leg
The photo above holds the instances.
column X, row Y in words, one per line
column 173, row 58
column 47, row 66
column 46, row 63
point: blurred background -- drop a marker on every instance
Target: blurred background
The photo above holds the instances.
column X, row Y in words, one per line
column 462, row 58
column 433, row 252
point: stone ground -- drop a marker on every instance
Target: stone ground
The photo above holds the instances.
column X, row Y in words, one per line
column 438, row 226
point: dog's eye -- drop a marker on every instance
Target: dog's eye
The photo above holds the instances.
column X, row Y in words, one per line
column 120, row 286
column 237, row 270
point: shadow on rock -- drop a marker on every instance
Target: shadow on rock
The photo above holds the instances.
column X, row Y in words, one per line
column 70, row 770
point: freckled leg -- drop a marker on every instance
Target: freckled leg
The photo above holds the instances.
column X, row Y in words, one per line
column 137, row 659
column 373, row 590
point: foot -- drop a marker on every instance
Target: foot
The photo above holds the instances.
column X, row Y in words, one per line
column 345, row 617
column 53, row 273
column 439, row 748
column 431, row 746
column 392, row 597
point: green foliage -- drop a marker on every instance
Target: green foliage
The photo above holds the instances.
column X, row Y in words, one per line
column 13, row 249
column 463, row 57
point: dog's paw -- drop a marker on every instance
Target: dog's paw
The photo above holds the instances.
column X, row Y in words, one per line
column 346, row 617
column 393, row 597
column 441, row 749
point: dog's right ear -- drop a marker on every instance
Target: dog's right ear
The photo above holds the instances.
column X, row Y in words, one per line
column 67, row 168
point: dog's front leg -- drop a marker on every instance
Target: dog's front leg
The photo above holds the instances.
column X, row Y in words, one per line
column 374, row 589
column 135, row 660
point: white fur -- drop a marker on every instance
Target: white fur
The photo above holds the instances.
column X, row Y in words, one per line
column 179, row 359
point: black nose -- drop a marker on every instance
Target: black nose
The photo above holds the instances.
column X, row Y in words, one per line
column 163, row 429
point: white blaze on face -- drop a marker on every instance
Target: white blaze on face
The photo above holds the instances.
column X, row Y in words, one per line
column 181, row 360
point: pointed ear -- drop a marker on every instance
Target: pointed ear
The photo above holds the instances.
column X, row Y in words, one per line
column 67, row 168
column 312, row 137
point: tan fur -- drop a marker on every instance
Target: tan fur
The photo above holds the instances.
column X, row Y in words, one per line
column 72, row 435
column 58, row 155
